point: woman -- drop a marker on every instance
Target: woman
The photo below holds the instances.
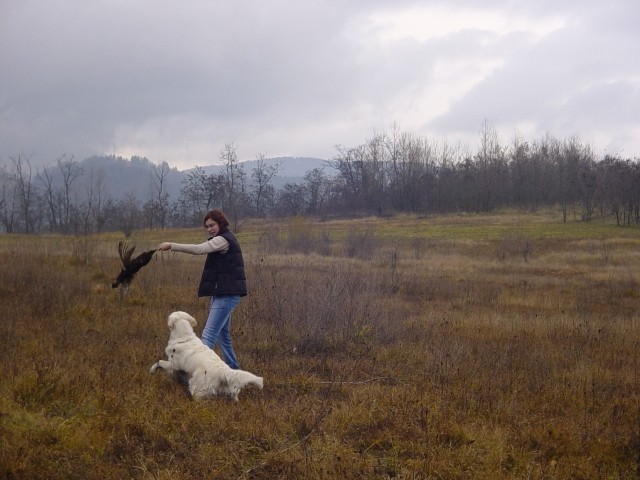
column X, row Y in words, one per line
column 223, row 280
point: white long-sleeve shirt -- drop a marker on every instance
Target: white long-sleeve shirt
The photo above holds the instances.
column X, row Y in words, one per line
column 215, row 244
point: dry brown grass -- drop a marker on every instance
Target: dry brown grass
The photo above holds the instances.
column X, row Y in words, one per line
column 453, row 347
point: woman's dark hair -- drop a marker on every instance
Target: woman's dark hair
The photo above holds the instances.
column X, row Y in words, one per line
column 218, row 217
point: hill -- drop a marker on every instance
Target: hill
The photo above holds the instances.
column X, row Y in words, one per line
column 290, row 169
column 119, row 177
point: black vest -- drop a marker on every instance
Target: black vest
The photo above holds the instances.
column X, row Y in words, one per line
column 223, row 273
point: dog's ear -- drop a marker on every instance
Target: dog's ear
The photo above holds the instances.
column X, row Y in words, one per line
column 192, row 320
column 175, row 316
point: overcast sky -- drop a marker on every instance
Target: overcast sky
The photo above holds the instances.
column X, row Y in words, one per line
column 175, row 80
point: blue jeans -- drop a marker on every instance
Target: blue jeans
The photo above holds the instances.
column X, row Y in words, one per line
column 218, row 327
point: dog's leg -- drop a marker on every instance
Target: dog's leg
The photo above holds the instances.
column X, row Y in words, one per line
column 201, row 386
column 164, row 365
column 197, row 392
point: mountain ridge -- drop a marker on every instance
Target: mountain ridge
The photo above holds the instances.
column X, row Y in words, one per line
column 119, row 177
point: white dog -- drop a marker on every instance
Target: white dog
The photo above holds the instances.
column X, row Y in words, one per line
column 208, row 374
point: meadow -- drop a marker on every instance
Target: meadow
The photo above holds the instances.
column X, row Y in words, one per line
column 449, row 347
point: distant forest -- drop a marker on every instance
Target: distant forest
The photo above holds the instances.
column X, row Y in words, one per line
column 393, row 172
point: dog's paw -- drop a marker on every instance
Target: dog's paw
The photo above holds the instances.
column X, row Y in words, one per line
column 153, row 368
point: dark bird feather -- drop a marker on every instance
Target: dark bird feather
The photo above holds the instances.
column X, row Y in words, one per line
column 130, row 266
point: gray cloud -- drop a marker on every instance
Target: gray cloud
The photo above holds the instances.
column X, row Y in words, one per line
column 175, row 81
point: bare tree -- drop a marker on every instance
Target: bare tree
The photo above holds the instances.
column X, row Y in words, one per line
column 160, row 199
column 261, row 191
column 97, row 189
column 492, row 170
column 362, row 174
column 575, row 184
column 90, row 211
column 410, row 173
column 70, row 170
column 128, row 214
column 25, row 192
column 215, row 186
column 52, row 198
column 318, row 188
column 8, row 200
column 235, row 184
column 292, row 199
column 350, row 165
column 193, row 196
column 199, row 193
column 588, row 182
column 448, row 189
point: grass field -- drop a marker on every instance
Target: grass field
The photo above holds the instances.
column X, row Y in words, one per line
column 471, row 346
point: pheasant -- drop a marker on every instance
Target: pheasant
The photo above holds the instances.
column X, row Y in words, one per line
column 130, row 266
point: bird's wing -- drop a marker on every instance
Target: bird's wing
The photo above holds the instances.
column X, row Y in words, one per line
column 125, row 253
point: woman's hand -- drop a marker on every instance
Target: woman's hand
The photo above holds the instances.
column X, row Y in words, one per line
column 164, row 246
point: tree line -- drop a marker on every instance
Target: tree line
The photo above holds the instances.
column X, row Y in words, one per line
column 392, row 172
